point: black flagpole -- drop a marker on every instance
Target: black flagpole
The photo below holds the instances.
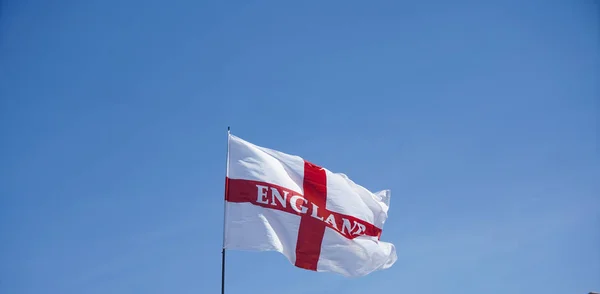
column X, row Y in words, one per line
column 225, row 216
column 223, row 272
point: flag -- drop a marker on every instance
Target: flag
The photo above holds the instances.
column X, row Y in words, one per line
column 319, row 220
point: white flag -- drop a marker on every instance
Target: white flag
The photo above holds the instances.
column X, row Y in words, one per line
column 321, row 221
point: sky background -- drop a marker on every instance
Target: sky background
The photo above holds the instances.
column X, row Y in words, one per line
column 480, row 116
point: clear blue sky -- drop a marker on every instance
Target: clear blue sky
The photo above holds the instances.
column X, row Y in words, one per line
column 482, row 118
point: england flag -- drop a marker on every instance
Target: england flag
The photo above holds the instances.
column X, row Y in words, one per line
column 319, row 220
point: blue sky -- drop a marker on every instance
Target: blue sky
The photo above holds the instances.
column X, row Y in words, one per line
column 482, row 118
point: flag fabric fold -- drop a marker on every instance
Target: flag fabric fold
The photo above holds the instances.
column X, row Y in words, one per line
column 319, row 220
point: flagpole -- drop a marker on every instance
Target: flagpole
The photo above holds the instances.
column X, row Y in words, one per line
column 225, row 214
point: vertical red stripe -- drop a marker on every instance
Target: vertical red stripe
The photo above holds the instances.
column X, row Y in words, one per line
column 310, row 234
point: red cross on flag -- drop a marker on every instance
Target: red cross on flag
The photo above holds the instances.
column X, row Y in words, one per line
column 320, row 220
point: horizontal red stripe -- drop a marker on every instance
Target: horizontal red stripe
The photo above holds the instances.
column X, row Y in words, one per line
column 246, row 191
